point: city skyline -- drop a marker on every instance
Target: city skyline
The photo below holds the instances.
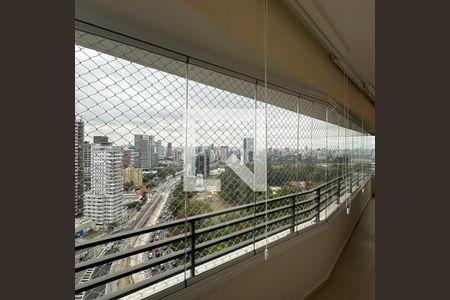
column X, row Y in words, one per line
column 238, row 148
column 155, row 116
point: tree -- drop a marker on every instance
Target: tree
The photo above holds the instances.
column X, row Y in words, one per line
column 151, row 184
column 147, row 177
column 233, row 190
column 178, row 198
column 128, row 185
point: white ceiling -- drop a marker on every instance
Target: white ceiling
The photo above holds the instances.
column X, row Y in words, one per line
column 349, row 26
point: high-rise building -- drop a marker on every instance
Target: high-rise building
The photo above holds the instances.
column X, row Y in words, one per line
column 144, row 146
column 248, row 150
column 104, row 202
column 87, row 165
column 79, row 184
column 202, row 164
column 129, row 157
column 133, row 174
column 158, row 151
column 169, row 150
column 126, row 158
column 212, row 155
column 100, row 140
column 224, row 153
column 287, row 151
column 178, row 154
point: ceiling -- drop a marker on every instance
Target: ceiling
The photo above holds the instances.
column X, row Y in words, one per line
column 347, row 28
column 229, row 34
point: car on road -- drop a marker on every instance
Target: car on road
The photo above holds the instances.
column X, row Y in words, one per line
column 162, row 266
column 150, row 255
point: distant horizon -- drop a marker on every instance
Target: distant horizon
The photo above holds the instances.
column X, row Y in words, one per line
column 218, row 146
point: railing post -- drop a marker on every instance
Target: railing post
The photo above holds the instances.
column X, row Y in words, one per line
column 318, row 205
column 293, row 214
column 359, row 178
column 338, row 191
column 351, row 183
column 192, row 224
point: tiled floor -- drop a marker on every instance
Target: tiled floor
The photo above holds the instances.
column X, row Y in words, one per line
column 354, row 275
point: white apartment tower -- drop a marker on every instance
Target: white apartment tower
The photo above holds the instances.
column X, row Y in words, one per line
column 104, row 202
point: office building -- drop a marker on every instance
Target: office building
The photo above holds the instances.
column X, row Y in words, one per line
column 178, row 154
column 202, row 164
column 169, row 150
column 248, row 150
column 129, row 157
column 144, row 145
column 158, row 151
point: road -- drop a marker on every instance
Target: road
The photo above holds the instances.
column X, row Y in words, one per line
column 151, row 214
column 98, row 272
column 145, row 238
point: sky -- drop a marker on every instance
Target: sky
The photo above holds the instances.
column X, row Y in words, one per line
column 119, row 98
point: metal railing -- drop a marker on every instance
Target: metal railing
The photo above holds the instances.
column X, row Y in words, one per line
column 300, row 208
column 145, row 113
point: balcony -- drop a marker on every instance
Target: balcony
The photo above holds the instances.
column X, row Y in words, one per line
column 308, row 209
column 238, row 172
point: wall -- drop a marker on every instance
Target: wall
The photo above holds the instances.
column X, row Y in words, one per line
column 295, row 56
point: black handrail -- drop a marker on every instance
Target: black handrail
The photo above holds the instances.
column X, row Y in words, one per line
column 159, row 226
column 289, row 212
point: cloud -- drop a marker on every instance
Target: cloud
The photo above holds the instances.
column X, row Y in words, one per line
column 120, row 98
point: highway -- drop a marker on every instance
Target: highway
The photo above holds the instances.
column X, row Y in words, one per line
column 151, row 213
